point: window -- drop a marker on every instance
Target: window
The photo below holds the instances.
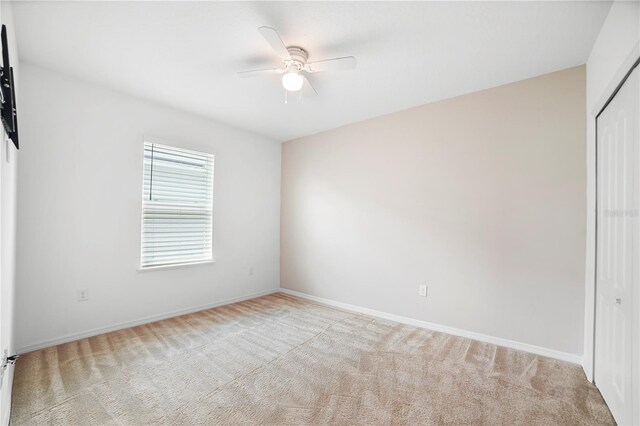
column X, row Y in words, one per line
column 177, row 206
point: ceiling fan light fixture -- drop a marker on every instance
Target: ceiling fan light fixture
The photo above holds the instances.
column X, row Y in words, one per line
column 292, row 81
column 296, row 65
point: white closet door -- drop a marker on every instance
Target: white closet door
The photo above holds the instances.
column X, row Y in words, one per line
column 617, row 256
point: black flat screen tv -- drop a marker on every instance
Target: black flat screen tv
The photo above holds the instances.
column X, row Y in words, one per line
column 7, row 93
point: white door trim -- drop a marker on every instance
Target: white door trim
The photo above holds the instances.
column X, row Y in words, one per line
column 590, row 317
column 616, row 284
column 616, row 81
column 591, row 369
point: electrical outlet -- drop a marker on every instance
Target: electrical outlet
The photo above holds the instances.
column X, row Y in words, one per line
column 423, row 291
column 83, row 295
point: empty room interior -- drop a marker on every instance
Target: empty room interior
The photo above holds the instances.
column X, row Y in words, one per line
column 320, row 213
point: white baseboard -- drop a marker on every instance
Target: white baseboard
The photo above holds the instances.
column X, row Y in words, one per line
column 551, row 353
column 153, row 318
column 538, row 350
column 588, row 370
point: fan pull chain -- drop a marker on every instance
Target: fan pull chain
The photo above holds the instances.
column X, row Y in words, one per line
column 286, row 92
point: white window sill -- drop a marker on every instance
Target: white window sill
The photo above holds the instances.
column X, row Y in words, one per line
column 177, row 265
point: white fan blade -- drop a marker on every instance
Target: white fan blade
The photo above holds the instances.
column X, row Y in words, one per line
column 345, row 63
column 275, row 41
column 308, row 90
column 259, row 73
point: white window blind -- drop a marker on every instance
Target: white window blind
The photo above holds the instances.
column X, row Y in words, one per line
column 177, row 206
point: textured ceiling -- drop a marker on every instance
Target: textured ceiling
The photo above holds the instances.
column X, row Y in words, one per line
column 186, row 54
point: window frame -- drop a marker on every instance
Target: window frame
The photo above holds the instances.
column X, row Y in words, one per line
column 190, row 149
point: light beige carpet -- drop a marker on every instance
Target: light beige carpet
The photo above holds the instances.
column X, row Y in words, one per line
column 283, row 360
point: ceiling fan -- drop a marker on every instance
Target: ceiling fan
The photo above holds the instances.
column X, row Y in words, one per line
column 295, row 65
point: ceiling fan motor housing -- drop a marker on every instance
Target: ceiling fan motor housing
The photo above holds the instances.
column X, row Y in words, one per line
column 299, row 58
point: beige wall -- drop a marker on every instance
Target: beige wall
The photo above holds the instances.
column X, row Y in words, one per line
column 480, row 197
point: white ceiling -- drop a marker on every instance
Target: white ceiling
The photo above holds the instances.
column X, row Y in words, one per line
column 186, row 54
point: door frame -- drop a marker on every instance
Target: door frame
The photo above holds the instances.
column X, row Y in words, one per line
column 623, row 74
